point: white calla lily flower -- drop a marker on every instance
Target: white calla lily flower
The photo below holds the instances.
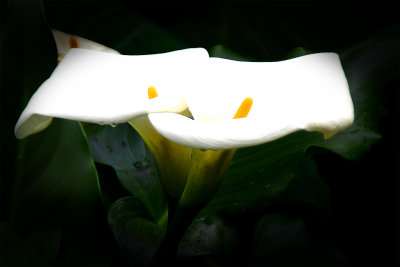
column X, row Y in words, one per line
column 234, row 104
column 305, row 93
column 105, row 88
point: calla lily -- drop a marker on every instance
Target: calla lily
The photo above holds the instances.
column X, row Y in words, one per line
column 105, row 88
column 192, row 111
column 305, row 93
column 172, row 160
column 233, row 104
column 98, row 87
column 247, row 103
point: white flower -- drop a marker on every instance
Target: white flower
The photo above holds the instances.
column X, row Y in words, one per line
column 308, row 92
column 305, row 93
column 233, row 104
column 106, row 88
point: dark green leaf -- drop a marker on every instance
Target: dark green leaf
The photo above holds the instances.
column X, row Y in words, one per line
column 258, row 174
column 136, row 232
column 307, row 187
column 122, row 148
column 208, row 235
column 66, row 177
column 58, row 190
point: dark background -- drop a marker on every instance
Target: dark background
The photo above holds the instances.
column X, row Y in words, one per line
column 364, row 220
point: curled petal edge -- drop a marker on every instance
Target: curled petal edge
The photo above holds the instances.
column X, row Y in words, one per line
column 236, row 133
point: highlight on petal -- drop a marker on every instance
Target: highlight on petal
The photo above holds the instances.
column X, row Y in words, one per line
column 65, row 41
column 308, row 92
column 106, row 88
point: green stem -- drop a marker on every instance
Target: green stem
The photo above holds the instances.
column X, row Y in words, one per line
column 167, row 251
column 172, row 207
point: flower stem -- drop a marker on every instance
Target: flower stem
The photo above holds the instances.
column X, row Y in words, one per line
column 205, row 175
column 167, row 251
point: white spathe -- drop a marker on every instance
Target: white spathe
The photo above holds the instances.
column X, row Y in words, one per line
column 308, row 92
column 305, row 93
column 106, row 88
column 63, row 43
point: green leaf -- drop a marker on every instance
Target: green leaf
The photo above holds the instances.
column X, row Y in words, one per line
column 58, row 190
column 122, row 148
column 307, row 187
column 208, row 235
column 136, row 232
column 260, row 173
column 56, row 173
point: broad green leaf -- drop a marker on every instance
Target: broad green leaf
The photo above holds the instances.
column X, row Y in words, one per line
column 259, row 173
column 56, row 173
column 59, row 191
column 122, row 148
column 307, row 187
column 136, row 232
